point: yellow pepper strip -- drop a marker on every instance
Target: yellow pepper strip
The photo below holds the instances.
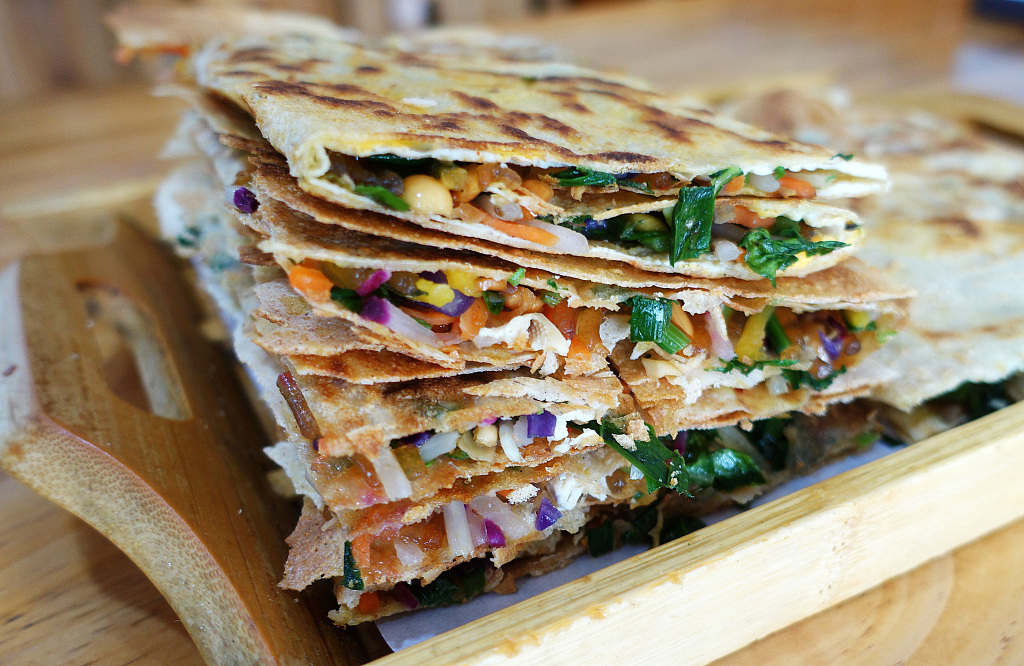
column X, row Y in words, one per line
column 436, row 294
column 464, row 281
column 749, row 346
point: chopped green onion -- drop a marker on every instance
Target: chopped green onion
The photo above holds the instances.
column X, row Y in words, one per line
column 779, row 172
column 673, row 339
column 381, row 195
column 844, row 156
column 737, row 364
column 550, row 297
column 517, row 277
column 649, row 319
column 776, row 334
column 495, row 301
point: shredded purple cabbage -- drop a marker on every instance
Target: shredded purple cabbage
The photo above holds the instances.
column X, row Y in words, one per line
column 375, row 309
column 245, row 200
column 833, row 346
column 457, row 305
column 679, row 442
column 540, row 425
column 436, row 276
column 417, row 439
column 370, row 284
column 495, row 537
column 406, row 596
column 547, row 514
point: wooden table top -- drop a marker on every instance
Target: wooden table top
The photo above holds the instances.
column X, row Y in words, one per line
column 68, row 596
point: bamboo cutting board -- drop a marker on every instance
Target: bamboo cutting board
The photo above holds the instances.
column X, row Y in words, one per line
column 180, row 492
column 114, row 407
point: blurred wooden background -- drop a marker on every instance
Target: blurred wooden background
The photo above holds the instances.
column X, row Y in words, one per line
column 54, row 45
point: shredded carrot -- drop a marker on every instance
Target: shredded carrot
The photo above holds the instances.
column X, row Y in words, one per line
column 799, row 188
column 432, row 317
column 745, row 217
column 524, row 231
column 473, row 319
column 505, row 493
column 734, row 185
column 563, row 317
column 311, row 282
column 588, row 334
column 369, row 603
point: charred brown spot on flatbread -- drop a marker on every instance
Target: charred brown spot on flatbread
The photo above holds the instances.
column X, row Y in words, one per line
column 242, row 72
column 368, row 69
column 471, row 101
column 622, row 156
column 252, row 54
column 960, row 225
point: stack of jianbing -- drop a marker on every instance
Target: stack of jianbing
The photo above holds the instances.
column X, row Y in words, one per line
column 499, row 297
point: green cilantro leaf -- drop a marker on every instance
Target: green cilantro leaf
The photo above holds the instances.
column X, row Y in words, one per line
column 348, row 298
column 577, row 176
column 694, row 214
column 769, row 253
column 779, row 172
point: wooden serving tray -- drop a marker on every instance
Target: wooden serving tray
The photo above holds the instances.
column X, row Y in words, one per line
column 175, row 480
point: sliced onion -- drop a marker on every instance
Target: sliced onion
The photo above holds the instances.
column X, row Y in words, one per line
column 406, row 596
column 816, row 180
column 726, row 250
column 766, row 184
column 737, row 441
column 508, row 442
column 409, row 554
column 496, row 511
column 729, row 232
column 476, row 528
column 541, row 425
column 438, row 445
column 520, row 432
column 509, row 211
column 569, row 241
column 547, row 515
column 396, row 484
column 495, row 537
column 469, row 213
column 456, row 524
column 777, row 385
column 388, row 314
column 370, row 284
column 724, row 215
column 720, row 344
column 476, row 451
